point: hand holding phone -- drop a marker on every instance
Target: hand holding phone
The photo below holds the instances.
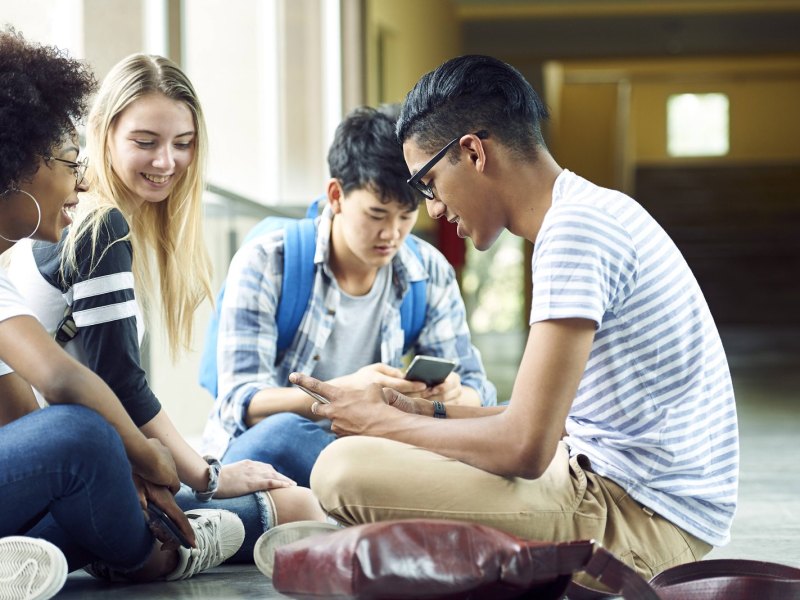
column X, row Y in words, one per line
column 432, row 370
column 159, row 521
column 314, row 395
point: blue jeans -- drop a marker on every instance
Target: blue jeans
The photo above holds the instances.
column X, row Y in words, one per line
column 289, row 442
column 255, row 510
column 64, row 477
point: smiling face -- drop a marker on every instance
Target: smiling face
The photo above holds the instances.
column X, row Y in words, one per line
column 368, row 230
column 152, row 144
column 458, row 190
column 54, row 188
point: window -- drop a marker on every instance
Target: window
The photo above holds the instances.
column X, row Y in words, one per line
column 697, row 125
column 269, row 77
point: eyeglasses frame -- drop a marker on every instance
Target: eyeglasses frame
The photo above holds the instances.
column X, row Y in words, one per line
column 415, row 180
column 80, row 167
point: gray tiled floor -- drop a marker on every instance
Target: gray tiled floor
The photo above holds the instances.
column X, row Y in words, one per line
column 766, row 370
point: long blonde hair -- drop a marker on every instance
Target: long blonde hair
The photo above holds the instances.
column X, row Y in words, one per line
column 166, row 236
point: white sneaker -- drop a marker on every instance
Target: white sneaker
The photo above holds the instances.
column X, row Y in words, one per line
column 272, row 539
column 219, row 535
column 30, row 569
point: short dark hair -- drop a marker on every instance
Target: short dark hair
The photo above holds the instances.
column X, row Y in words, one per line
column 43, row 94
column 472, row 93
column 365, row 154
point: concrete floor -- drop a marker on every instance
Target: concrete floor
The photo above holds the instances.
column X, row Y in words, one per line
column 766, row 373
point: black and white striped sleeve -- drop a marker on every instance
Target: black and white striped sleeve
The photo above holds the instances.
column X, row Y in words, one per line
column 108, row 317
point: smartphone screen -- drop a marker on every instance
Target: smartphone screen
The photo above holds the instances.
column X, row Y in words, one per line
column 430, row 369
column 314, row 395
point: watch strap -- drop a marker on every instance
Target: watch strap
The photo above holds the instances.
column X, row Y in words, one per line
column 214, row 467
column 439, row 411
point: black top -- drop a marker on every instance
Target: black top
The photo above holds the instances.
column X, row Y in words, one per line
column 104, row 308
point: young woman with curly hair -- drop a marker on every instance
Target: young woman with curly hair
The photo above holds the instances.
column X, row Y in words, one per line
column 137, row 236
column 75, row 478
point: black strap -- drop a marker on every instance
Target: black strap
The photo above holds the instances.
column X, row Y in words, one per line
column 66, row 328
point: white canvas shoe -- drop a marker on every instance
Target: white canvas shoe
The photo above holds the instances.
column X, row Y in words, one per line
column 30, row 569
column 272, row 539
column 219, row 535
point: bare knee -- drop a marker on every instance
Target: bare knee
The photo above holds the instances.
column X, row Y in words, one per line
column 296, row 504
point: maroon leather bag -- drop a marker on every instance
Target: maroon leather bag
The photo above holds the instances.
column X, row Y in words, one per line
column 425, row 558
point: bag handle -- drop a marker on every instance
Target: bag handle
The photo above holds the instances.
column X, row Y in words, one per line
column 702, row 580
column 724, row 568
column 614, row 574
column 729, row 579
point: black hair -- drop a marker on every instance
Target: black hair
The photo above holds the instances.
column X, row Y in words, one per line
column 43, row 95
column 469, row 94
column 365, row 154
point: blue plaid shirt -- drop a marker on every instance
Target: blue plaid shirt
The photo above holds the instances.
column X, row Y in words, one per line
column 247, row 344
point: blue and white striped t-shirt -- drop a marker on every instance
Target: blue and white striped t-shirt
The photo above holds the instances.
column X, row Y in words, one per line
column 655, row 410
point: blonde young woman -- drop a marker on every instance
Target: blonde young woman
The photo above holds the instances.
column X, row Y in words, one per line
column 136, row 242
column 73, row 478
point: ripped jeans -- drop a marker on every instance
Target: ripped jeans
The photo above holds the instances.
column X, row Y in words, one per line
column 256, row 511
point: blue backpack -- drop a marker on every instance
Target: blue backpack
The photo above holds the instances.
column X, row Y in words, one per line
column 300, row 243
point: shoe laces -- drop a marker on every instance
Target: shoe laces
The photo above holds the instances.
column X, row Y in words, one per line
column 208, row 552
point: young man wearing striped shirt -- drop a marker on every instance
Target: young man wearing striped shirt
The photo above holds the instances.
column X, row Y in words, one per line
column 622, row 423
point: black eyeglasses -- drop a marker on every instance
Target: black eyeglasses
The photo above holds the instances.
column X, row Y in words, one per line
column 416, row 180
column 79, row 168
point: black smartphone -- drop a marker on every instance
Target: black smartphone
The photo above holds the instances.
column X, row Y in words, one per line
column 430, row 369
column 160, row 520
column 314, row 395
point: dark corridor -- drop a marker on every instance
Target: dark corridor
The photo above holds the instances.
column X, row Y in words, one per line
column 739, row 229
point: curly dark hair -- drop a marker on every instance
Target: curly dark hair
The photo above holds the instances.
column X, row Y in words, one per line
column 43, row 94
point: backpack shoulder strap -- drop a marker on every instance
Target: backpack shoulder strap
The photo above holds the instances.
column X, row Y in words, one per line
column 414, row 305
column 298, row 264
column 299, row 247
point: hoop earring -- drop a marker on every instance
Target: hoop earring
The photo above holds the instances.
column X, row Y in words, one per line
column 38, row 220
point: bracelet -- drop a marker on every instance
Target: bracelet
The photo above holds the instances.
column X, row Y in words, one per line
column 214, row 467
column 438, row 410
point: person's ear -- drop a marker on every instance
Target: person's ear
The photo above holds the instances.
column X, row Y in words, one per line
column 335, row 195
column 476, row 151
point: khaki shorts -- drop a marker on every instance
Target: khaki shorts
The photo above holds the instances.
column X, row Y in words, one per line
column 366, row 479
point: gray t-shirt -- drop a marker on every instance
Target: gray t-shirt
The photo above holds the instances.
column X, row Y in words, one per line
column 355, row 339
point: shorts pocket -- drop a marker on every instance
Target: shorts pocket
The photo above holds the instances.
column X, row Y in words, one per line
column 579, row 480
